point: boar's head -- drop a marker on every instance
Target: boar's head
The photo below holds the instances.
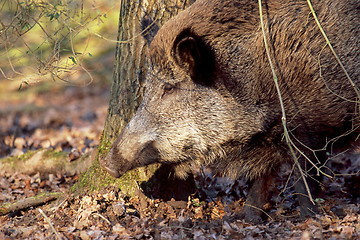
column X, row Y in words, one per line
column 188, row 117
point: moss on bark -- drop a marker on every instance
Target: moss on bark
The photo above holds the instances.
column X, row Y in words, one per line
column 126, row 91
column 45, row 161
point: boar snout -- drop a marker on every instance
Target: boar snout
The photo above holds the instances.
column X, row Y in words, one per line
column 128, row 152
column 110, row 168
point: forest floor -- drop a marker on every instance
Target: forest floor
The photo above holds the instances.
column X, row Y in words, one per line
column 70, row 119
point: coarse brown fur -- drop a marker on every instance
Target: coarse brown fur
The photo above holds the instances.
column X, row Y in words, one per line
column 210, row 96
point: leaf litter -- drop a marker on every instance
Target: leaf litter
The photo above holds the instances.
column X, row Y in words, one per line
column 212, row 213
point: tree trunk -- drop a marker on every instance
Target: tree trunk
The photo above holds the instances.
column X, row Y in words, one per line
column 137, row 18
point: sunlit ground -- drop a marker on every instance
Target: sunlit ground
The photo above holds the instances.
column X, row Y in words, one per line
column 56, row 64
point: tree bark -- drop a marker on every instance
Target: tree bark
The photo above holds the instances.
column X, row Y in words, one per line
column 126, row 91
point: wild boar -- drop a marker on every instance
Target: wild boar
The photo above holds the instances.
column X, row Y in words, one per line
column 210, row 97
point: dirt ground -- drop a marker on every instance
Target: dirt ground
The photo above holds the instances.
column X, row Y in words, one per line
column 70, row 119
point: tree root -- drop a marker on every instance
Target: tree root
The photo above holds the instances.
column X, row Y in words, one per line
column 46, row 161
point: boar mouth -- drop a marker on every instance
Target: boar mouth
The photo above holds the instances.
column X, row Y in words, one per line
column 116, row 164
column 114, row 173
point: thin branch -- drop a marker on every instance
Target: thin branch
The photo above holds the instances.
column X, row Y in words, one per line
column 104, row 218
column 9, row 60
column 307, row 158
column 332, row 49
column 50, row 224
column 283, row 118
column 326, row 84
column 29, row 202
column 79, row 63
column 261, row 210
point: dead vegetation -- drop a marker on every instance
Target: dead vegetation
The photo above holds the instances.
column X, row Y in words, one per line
column 211, row 213
column 108, row 214
column 70, row 120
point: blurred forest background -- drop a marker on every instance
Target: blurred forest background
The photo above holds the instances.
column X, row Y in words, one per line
column 56, row 66
column 57, row 40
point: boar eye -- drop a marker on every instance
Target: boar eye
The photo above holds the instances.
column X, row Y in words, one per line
column 168, row 89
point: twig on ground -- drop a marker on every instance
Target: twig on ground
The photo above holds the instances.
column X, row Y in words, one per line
column 104, row 218
column 29, row 202
column 49, row 222
column 248, row 205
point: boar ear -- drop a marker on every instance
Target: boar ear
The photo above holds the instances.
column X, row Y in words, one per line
column 192, row 54
column 149, row 28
